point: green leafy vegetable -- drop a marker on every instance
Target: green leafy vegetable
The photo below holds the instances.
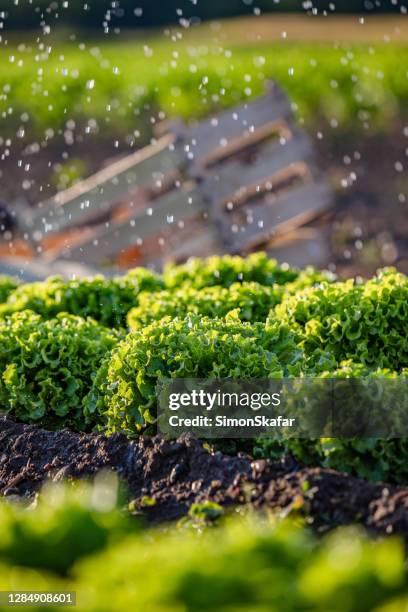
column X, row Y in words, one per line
column 222, row 317
column 66, row 524
column 124, row 390
column 366, row 323
column 253, row 301
column 227, row 270
column 7, row 285
column 106, row 300
column 47, row 367
column 70, row 542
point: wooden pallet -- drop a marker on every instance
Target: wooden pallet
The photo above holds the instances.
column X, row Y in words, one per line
column 232, row 183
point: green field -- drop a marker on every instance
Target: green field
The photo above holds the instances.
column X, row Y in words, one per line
column 117, row 88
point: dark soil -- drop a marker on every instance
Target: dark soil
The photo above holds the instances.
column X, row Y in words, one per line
column 368, row 226
column 176, row 474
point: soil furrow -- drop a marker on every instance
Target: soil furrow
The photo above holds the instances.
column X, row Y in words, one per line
column 174, row 474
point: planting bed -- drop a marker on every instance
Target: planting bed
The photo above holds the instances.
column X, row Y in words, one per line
column 174, row 475
column 79, row 365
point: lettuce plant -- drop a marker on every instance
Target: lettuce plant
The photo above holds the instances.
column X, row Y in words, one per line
column 124, row 390
column 226, row 270
column 7, row 285
column 254, row 302
column 47, row 366
column 107, row 300
column 366, row 323
column 368, row 457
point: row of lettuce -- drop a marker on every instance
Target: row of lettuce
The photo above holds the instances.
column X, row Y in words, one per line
column 348, row 86
column 89, row 353
column 79, row 539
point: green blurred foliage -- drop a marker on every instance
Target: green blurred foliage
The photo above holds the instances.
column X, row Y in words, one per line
column 64, row 524
column 67, row 174
column 118, row 87
column 74, row 541
column 7, row 285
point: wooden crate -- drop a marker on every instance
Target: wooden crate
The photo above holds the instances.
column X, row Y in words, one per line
column 232, row 183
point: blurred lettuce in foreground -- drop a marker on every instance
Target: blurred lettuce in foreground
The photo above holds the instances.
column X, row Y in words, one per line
column 64, row 524
column 75, row 540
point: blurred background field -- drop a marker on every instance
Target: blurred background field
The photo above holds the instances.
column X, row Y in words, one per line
column 338, row 70
column 72, row 99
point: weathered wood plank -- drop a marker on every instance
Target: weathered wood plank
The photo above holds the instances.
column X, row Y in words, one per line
column 209, row 137
column 31, row 271
column 144, row 224
column 236, row 176
column 247, row 140
column 304, row 247
column 190, row 242
column 172, row 125
column 288, row 211
column 107, row 241
column 94, row 196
